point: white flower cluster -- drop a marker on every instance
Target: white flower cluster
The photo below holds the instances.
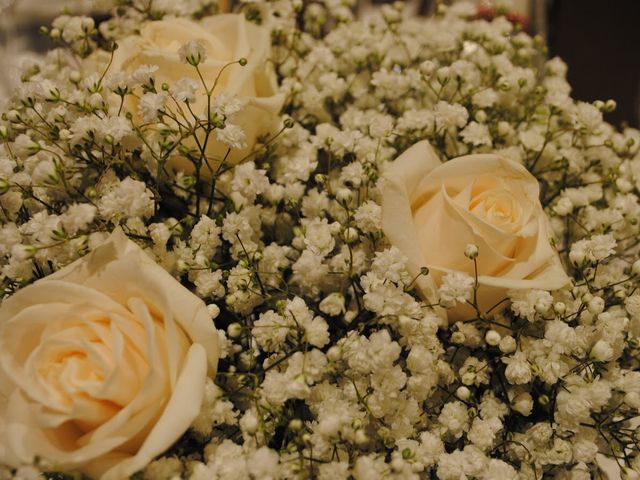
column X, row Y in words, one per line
column 332, row 367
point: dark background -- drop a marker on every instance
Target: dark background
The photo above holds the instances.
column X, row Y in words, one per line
column 600, row 42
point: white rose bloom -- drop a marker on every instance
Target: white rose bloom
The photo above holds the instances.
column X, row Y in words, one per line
column 103, row 364
column 214, row 41
column 432, row 210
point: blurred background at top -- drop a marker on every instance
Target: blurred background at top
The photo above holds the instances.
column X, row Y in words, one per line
column 598, row 40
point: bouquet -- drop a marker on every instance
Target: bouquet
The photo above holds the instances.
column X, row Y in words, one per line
column 286, row 243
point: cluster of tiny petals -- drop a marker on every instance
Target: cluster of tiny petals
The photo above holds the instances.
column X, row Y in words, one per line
column 332, row 366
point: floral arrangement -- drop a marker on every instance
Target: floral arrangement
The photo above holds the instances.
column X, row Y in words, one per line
column 287, row 243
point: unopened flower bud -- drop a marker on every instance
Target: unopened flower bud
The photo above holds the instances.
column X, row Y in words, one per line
column 471, row 251
column 334, row 354
column 504, row 85
column 361, row 438
column 596, row 305
column 344, row 194
column 468, row 378
column 504, row 128
column 463, row 393
column 182, row 266
column 540, row 307
column 13, row 116
column 295, row 425
column 87, row 24
column 458, row 337
column 234, row 330
column 564, row 206
column 610, row 105
column 75, row 76
column 249, row 423
column 559, row 308
column 492, row 338
column 624, row 185
column 508, row 344
column 214, row 310
column 523, row 403
column 443, row 75
column 536, row 369
column 350, row 235
column 405, row 322
column 427, row 67
column 280, row 305
column 349, row 316
column 397, row 465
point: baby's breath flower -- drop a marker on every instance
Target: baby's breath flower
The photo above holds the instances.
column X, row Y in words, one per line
column 192, row 52
column 456, row 288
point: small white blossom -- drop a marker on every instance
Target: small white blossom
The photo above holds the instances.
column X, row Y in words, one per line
column 592, row 250
column 231, row 135
column 457, row 287
column 193, row 52
column 518, row 370
column 333, row 304
column 127, row 199
column 476, row 134
column 185, row 89
column 151, row 104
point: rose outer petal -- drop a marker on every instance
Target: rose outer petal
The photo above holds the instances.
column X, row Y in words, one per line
column 176, row 418
column 402, row 179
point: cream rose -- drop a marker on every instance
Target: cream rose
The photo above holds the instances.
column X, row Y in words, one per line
column 102, row 364
column 226, row 38
column 432, row 210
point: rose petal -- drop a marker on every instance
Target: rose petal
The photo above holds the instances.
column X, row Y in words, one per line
column 402, row 178
column 540, row 266
column 176, row 418
column 443, row 248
